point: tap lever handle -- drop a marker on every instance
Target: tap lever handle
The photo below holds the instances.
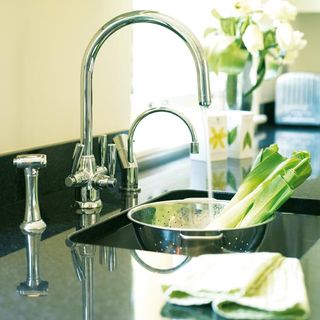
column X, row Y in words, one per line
column 111, row 159
column 77, row 154
column 105, row 177
column 33, row 161
column 108, row 155
column 103, row 144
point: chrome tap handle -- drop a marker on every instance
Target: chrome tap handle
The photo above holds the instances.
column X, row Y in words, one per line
column 77, row 154
column 76, row 178
column 103, row 143
column 31, row 163
column 108, row 156
column 111, row 159
column 105, row 176
column 101, row 181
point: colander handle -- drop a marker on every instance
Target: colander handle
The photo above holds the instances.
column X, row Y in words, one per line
column 188, row 237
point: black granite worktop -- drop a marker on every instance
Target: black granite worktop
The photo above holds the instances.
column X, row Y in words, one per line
column 130, row 291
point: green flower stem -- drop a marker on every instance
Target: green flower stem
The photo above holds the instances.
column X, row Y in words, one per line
column 231, row 91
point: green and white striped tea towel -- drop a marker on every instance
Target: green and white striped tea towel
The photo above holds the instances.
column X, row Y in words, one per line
column 242, row 286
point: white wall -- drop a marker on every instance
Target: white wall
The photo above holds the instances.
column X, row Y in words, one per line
column 307, row 5
column 42, row 45
column 308, row 60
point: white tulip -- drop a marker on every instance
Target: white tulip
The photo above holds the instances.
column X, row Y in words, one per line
column 263, row 21
column 284, row 36
column 289, row 39
column 234, row 8
column 299, row 43
column 280, row 10
column 217, row 43
column 246, row 7
column 253, row 38
column 224, row 9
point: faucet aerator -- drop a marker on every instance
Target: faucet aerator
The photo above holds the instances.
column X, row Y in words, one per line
column 194, row 147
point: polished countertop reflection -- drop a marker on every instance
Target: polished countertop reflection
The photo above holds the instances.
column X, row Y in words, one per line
column 94, row 282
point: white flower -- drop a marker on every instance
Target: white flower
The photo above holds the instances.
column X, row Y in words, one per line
column 289, row 39
column 218, row 42
column 224, row 9
column 253, row 38
column 299, row 43
column 290, row 56
column 269, row 24
column 263, row 21
column 280, row 10
column 234, row 8
column 246, row 7
column 284, row 36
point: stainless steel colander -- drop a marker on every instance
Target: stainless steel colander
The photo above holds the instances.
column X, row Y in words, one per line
column 184, row 227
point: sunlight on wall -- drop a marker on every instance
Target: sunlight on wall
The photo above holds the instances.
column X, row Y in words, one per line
column 164, row 73
column 44, row 43
column 162, row 64
column 309, row 24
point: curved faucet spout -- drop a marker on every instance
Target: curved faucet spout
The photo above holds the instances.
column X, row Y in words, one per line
column 111, row 27
column 194, row 143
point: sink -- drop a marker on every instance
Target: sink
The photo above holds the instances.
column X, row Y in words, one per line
column 119, row 232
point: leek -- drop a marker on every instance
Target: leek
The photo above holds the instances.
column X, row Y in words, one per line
column 270, row 183
column 265, row 162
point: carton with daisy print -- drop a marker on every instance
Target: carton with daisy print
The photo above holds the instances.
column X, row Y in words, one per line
column 216, row 143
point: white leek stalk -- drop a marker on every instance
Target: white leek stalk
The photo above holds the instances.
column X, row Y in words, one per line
column 269, row 184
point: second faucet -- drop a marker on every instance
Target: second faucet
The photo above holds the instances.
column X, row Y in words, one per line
column 124, row 146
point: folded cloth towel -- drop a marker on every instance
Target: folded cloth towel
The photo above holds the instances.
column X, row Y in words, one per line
column 242, row 286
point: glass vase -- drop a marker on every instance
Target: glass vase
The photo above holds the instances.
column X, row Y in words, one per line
column 235, row 87
column 233, row 91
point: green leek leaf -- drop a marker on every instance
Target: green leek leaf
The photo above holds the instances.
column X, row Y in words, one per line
column 264, row 164
column 269, row 184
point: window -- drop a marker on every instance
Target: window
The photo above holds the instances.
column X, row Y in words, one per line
column 164, row 73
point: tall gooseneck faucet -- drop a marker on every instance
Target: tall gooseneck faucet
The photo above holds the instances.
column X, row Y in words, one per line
column 87, row 175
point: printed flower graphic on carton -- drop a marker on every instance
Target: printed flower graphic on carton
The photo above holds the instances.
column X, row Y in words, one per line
column 217, row 138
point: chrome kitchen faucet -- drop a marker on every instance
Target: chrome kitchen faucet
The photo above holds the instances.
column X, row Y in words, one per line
column 124, row 146
column 85, row 175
